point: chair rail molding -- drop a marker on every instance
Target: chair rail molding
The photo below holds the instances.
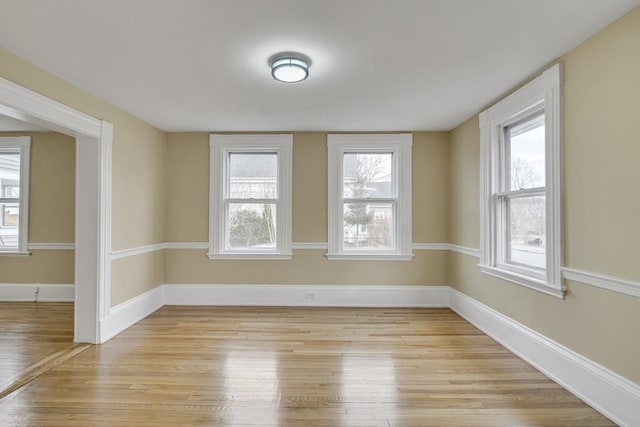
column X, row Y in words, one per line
column 603, row 281
column 51, row 246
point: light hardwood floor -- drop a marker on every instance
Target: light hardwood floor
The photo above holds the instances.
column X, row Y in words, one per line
column 298, row 367
column 30, row 334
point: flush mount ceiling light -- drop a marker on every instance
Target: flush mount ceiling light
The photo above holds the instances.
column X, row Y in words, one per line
column 290, row 68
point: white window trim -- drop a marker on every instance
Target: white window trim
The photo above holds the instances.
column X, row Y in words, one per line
column 24, row 144
column 542, row 93
column 400, row 145
column 220, row 146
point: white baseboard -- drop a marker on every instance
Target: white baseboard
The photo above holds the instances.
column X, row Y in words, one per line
column 130, row 312
column 609, row 393
column 308, row 295
column 41, row 292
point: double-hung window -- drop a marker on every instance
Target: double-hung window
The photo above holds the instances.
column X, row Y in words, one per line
column 370, row 196
column 250, row 196
column 14, row 194
column 520, row 139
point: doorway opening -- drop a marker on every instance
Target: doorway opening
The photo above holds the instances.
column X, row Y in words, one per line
column 93, row 200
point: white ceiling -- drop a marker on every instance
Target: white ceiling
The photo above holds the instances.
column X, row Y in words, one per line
column 377, row 65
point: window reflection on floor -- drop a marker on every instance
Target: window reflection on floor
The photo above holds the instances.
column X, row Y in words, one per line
column 368, row 379
column 251, row 380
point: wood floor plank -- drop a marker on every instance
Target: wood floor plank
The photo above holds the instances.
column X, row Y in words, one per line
column 45, row 365
column 297, row 366
column 31, row 333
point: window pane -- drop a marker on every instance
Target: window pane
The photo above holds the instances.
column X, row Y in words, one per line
column 10, row 174
column 527, row 238
column 9, row 221
column 367, row 175
column 251, row 225
column 525, row 145
column 253, row 175
column 11, row 191
column 368, row 226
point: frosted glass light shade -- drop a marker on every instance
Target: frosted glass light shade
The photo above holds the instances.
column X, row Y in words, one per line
column 289, row 70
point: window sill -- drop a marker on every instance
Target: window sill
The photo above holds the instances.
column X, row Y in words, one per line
column 15, row 253
column 369, row 257
column 251, row 256
column 522, row 280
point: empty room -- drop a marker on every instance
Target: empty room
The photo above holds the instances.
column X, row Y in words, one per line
column 323, row 213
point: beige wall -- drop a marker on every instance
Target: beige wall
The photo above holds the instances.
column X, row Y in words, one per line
column 187, row 219
column 136, row 273
column 52, row 188
column 430, row 196
column 138, row 164
column 601, row 205
column 310, row 186
column 308, row 267
column 464, row 184
column 51, row 211
column 40, row 267
column 187, row 187
column 602, row 151
column 138, row 185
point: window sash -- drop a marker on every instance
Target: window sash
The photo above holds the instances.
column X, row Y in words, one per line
column 541, row 96
column 19, row 146
column 522, row 193
column 228, row 201
column 227, row 167
column 503, row 234
column 393, row 175
column 370, row 200
column 393, row 199
column 535, row 116
column 227, row 216
column 505, row 194
column 396, row 189
column 222, row 147
column 251, row 201
column 394, row 226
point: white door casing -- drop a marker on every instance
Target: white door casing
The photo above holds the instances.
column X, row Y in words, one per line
column 93, row 198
